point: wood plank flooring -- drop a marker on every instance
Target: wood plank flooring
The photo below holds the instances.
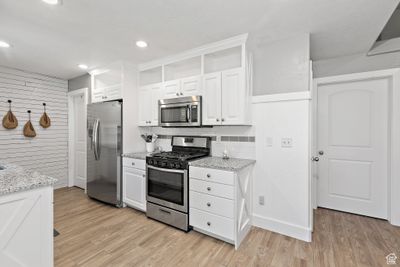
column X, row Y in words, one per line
column 93, row 234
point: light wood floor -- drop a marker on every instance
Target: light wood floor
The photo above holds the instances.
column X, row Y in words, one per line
column 93, row 234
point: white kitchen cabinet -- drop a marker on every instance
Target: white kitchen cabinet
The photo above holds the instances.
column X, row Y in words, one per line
column 225, row 98
column 134, row 183
column 211, row 98
column 26, row 223
column 191, row 86
column 148, row 104
column 172, row 89
column 183, row 87
column 220, row 203
column 109, row 82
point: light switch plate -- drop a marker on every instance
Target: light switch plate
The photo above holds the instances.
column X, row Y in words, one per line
column 287, row 142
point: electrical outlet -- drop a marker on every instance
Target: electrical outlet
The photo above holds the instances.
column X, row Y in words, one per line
column 261, row 200
column 286, row 142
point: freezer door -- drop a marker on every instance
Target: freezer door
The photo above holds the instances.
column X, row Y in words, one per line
column 104, row 129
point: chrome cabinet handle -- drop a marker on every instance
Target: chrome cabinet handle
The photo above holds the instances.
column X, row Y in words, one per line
column 321, row 153
column 208, row 223
column 181, row 93
column 177, row 94
column 208, row 204
column 208, row 175
column 222, row 119
column 144, row 175
column 217, row 119
column 133, row 163
column 316, row 159
column 208, row 188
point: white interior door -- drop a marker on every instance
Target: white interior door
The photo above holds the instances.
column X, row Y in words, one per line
column 79, row 141
column 353, row 145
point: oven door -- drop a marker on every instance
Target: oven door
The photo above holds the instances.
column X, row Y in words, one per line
column 183, row 114
column 168, row 188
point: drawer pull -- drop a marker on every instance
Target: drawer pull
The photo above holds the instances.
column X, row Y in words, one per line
column 208, row 175
column 144, row 175
column 208, row 204
column 208, row 188
column 208, row 223
column 165, row 211
column 133, row 163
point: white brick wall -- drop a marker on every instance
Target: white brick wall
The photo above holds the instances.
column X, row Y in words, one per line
column 48, row 151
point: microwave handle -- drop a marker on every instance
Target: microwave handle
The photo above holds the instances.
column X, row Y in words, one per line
column 189, row 113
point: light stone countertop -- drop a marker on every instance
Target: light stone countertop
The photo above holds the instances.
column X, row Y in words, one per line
column 15, row 178
column 137, row 155
column 231, row 164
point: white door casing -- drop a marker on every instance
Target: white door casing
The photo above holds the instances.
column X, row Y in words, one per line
column 79, row 141
column 352, row 125
column 77, row 102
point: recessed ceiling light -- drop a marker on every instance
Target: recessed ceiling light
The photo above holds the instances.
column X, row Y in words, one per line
column 141, row 44
column 52, row 2
column 83, row 66
column 4, row 44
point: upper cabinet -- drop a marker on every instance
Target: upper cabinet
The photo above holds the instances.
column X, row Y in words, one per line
column 109, row 82
column 220, row 72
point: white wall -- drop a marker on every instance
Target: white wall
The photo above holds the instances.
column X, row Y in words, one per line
column 130, row 117
column 48, row 151
column 281, row 175
column 355, row 63
column 281, row 66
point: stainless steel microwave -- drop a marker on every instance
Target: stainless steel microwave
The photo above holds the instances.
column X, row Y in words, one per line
column 180, row 112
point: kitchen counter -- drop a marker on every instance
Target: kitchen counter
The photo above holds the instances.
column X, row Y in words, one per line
column 231, row 164
column 14, row 178
column 137, row 155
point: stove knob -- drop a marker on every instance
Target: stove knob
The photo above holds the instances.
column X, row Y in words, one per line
column 163, row 164
column 150, row 161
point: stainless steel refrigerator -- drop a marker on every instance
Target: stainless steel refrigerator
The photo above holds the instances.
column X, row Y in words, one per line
column 104, row 129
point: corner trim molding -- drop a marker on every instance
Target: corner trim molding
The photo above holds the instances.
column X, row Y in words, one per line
column 281, row 227
column 304, row 95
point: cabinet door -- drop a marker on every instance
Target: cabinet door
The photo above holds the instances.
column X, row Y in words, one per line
column 156, row 95
column 135, row 188
column 212, row 99
column 190, row 86
column 107, row 84
column 113, row 92
column 172, row 89
column 233, row 97
column 144, row 106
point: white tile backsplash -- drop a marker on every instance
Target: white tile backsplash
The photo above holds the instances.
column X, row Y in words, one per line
column 245, row 150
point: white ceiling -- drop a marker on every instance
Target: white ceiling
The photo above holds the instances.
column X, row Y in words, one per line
column 53, row 39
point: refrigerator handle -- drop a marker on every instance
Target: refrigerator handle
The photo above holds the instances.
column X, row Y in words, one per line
column 96, row 139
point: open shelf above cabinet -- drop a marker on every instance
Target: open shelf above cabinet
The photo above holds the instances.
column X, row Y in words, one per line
column 151, row 76
column 182, row 69
column 230, row 58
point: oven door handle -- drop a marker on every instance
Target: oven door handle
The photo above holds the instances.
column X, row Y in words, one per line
column 189, row 113
column 166, row 170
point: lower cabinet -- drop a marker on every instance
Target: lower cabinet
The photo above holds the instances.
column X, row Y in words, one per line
column 134, row 186
column 26, row 228
column 220, row 203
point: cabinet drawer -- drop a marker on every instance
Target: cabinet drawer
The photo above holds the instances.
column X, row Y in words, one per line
column 212, row 175
column 215, row 189
column 134, row 163
column 215, row 205
column 211, row 223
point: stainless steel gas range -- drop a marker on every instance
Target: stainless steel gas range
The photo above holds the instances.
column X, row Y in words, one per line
column 168, row 180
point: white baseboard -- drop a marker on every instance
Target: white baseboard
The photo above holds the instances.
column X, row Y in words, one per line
column 282, row 227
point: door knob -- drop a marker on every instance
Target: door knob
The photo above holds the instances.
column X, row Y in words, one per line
column 320, row 152
column 315, row 159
